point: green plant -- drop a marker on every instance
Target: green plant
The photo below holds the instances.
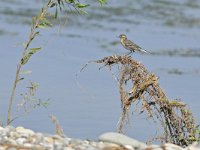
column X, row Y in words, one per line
column 42, row 20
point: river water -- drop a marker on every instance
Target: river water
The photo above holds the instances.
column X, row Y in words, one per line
column 89, row 105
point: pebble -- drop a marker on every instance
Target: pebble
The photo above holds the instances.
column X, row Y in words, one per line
column 20, row 141
column 121, row 139
column 24, row 132
column 25, row 139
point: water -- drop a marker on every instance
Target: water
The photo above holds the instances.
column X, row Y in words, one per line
column 89, row 105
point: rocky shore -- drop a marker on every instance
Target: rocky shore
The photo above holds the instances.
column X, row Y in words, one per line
column 25, row 139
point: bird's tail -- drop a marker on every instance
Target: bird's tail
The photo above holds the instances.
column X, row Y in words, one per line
column 145, row 51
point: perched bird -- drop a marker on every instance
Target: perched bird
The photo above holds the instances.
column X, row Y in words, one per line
column 129, row 45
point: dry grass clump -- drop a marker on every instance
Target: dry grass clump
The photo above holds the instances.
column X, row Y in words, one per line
column 176, row 119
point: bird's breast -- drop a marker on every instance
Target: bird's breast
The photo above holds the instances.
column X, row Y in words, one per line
column 122, row 42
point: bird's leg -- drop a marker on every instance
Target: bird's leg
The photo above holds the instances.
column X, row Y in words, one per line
column 128, row 53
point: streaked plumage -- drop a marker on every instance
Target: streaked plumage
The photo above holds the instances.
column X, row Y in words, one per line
column 129, row 45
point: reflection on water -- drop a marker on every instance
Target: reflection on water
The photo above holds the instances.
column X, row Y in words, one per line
column 166, row 28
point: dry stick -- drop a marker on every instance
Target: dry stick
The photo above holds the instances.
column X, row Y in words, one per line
column 122, row 120
column 32, row 35
column 123, row 103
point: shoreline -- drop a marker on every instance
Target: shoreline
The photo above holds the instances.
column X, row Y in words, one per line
column 19, row 138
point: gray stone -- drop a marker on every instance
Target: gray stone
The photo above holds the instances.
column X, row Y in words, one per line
column 23, row 131
column 14, row 135
column 121, row 139
column 5, row 138
column 7, row 129
column 155, row 147
column 11, row 141
column 129, row 147
column 10, row 128
column 1, row 128
column 21, row 141
column 58, row 147
column 170, row 146
column 68, row 148
column 58, row 143
column 28, row 145
column 38, row 137
column 12, row 148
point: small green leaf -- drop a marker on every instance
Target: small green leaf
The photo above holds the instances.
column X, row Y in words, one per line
column 79, row 5
column 30, row 52
column 59, row 4
column 25, row 59
column 37, row 33
column 52, row 5
column 20, row 79
column 56, row 13
column 102, row 2
column 47, row 22
column 69, row 1
column 42, row 25
column 34, row 50
column 26, row 72
column 45, row 104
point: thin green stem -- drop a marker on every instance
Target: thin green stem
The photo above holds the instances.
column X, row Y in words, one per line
column 32, row 35
column 13, row 93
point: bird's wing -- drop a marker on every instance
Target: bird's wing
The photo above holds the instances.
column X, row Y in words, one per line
column 132, row 45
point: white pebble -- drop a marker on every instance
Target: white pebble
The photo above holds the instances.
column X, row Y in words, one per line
column 21, row 141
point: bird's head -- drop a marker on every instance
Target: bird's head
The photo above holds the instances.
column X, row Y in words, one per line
column 122, row 36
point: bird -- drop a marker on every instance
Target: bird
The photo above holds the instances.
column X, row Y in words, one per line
column 129, row 45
